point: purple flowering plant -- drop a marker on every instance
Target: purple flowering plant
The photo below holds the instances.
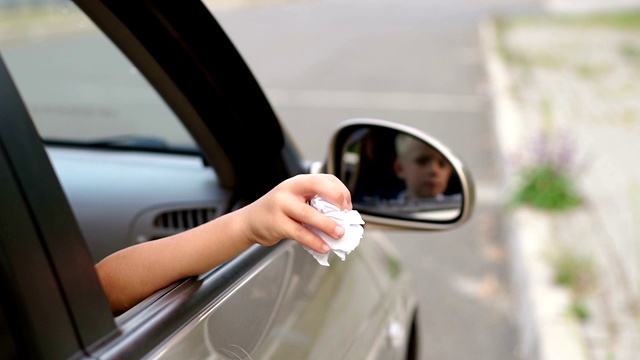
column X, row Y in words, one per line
column 545, row 180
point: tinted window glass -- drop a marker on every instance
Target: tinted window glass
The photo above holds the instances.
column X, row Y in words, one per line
column 77, row 85
column 79, row 88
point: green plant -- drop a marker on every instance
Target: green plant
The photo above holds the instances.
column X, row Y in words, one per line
column 545, row 174
column 576, row 273
column 580, row 311
column 545, row 180
column 545, row 187
column 573, row 271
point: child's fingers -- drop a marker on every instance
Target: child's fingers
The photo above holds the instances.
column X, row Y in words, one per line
column 307, row 238
column 341, row 189
column 306, row 214
column 327, row 186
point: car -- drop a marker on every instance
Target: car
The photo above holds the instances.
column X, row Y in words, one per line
column 125, row 122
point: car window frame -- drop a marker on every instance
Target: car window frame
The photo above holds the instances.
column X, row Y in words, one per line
column 186, row 55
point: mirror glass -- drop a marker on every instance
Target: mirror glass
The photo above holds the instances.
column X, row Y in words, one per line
column 392, row 173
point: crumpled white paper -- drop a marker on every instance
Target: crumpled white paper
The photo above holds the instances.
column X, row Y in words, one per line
column 350, row 220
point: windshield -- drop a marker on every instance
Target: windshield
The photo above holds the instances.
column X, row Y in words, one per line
column 78, row 87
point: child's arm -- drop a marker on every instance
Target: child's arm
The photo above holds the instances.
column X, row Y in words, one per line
column 131, row 274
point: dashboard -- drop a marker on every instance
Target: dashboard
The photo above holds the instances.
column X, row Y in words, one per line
column 121, row 198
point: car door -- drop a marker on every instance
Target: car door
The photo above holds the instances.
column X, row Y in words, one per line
column 291, row 309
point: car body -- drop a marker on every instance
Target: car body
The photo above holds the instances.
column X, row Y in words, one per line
column 70, row 200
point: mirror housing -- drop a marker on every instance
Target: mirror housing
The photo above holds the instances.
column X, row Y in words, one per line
column 400, row 176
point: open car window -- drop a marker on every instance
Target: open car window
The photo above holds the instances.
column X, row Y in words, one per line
column 78, row 87
column 89, row 102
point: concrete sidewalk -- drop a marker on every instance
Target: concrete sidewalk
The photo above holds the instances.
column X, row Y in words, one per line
column 580, row 81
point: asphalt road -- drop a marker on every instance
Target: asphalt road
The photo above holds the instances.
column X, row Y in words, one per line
column 322, row 62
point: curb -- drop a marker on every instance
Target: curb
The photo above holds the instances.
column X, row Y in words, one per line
column 545, row 331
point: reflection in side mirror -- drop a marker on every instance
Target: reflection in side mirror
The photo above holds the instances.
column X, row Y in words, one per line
column 397, row 174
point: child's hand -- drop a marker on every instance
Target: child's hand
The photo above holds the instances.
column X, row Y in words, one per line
column 281, row 212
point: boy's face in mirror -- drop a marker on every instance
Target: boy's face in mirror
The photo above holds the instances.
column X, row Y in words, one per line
column 424, row 170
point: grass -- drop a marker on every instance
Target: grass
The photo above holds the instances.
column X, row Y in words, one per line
column 572, row 271
column 24, row 21
column 591, row 71
column 621, row 21
column 631, row 53
column 628, row 20
column 576, row 273
column 580, row 311
column 503, row 25
column 36, row 15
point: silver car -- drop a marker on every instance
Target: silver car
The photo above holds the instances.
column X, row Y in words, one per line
column 124, row 122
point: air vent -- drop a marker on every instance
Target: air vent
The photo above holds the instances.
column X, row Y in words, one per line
column 184, row 219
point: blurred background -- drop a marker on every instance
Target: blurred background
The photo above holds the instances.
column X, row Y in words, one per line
column 541, row 99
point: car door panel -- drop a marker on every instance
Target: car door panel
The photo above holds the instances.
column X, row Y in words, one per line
column 317, row 318
column 386, row 333
column 289, row 307
column 233, row 326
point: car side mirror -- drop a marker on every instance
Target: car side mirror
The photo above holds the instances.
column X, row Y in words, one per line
column 400, row 176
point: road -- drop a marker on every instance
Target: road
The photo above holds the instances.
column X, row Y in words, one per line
column 322, row 62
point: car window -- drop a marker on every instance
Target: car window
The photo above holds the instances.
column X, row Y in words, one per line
column 80, row 89
column 77, row 85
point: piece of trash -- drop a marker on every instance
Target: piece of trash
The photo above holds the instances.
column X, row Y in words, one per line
column 350, row 220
